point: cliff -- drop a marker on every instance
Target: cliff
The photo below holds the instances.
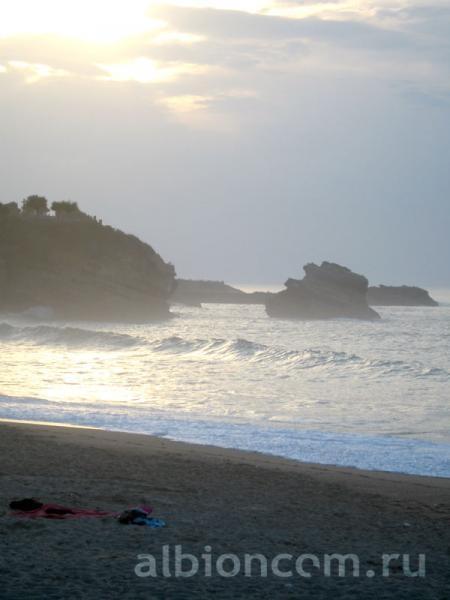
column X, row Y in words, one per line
column 195, row 292
column 327, row 291
column 80, row 269
column 404, row 295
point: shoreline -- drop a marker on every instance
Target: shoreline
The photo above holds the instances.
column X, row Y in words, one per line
column 263, row 452
column 234, row 501
column 256, row 458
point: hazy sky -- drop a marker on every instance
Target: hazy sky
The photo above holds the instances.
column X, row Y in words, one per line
column 240, row 138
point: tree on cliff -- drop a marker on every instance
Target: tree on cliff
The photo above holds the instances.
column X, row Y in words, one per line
column 10, row 209
column 64, row 208
column 35, row 205
column 80, row 269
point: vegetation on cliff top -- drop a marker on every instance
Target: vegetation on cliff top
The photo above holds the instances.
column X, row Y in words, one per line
column 77, row 266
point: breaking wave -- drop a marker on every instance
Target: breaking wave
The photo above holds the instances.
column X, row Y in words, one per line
column 242, row 349
column 67, row 336
column 217, row 349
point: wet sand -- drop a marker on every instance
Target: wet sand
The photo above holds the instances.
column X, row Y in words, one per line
column 231, row 501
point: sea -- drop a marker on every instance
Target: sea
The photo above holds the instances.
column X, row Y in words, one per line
column 371, row 395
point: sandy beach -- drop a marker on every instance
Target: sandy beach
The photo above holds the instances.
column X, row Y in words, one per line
column 225, row 500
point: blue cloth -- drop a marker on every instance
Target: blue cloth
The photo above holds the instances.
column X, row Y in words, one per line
column 149, row 521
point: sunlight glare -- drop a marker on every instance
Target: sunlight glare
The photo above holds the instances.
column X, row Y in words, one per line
column 91, row 20
column 33, row 72
column 145, row 70
column 187, row 103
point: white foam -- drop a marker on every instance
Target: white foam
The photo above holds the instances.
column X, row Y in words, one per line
column 380, row 453
column 371, row 395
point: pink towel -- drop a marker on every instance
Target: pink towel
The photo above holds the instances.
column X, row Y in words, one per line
column 56, row 511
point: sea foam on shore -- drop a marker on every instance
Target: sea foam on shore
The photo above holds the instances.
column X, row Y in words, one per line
column 372, row 395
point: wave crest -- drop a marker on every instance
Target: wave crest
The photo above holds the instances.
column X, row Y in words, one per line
column 219, row 349
column 241, row 349
column 68, row 336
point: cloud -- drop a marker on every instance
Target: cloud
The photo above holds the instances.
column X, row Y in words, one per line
column 69, row 54
column 32, row 72
column 229, row 24
column 144, row 70
column 307, row 139
column 241, row 41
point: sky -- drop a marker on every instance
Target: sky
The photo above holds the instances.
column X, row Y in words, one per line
column 241, row 139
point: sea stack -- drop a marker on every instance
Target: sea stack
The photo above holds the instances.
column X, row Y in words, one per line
column 403, row 295
column 328, row 291
column 77, row 268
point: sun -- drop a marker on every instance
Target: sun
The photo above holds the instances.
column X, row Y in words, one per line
column 89, row 20
column 101, row 20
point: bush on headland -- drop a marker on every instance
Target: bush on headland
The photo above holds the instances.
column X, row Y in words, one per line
column 78, row 267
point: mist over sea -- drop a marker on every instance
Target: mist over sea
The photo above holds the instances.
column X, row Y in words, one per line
column 367, row 394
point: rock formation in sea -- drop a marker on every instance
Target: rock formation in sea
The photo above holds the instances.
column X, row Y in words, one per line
column 327, row 291
column 195, row 292
column 78, row 268
column 404, row 295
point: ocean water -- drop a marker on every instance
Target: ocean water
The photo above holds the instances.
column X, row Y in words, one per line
column 373, row 395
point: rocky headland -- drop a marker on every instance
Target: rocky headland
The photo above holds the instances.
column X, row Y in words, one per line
column 74, row 267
